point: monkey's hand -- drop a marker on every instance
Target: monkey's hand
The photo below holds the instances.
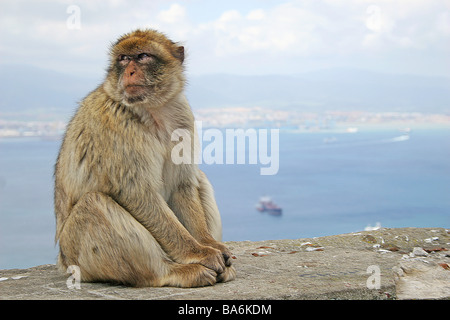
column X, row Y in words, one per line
column 229, row 273
column 208, row 257
column 226, row 253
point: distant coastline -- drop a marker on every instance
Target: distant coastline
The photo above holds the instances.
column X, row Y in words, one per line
column 259, row 117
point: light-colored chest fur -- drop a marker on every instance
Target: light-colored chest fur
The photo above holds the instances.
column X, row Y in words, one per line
column 150, row 164
column 126, row 157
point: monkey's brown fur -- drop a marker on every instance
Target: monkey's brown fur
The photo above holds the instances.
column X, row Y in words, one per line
column 125, row 212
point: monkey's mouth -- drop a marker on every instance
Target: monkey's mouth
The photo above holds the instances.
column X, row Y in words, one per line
column 135, row 90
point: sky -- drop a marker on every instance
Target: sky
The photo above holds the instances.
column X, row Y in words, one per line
column 248, row 37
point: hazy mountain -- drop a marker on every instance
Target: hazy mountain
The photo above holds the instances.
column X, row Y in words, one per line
column 32, row 91
column 335, row 89
column 35, row 92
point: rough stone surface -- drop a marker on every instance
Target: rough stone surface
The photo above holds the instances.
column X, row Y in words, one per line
column 334, row 267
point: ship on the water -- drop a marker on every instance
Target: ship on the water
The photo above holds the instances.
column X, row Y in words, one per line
column 266, row 204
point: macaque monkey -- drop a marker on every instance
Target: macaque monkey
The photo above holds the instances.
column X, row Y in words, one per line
column 125, row 213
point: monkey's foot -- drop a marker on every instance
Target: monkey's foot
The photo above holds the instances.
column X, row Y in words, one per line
column 228, row 275
column 190, row 276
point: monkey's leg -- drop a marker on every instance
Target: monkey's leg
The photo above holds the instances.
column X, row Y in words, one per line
column 210, row 209
column 187, row 206
column 197, row 210
column 108, row 244
column 214, row 222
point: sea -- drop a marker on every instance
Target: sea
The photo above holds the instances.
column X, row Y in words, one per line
column 327, row 183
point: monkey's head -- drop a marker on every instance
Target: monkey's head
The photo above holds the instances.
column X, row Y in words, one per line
column 146, row 68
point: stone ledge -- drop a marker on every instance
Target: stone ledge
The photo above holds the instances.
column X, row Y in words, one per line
column 332, row 267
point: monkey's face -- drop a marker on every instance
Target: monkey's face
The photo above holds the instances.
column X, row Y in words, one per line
column 145, row 69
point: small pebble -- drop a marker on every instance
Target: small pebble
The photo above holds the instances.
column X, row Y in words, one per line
column 419, row 252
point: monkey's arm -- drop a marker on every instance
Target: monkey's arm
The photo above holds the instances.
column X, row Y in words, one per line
column 156, row 216
column 186, row 204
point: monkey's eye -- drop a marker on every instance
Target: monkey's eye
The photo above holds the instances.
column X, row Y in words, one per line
column 145, row 57
column 124, row 58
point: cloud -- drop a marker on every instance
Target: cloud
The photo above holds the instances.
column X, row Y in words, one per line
column 409, row 26
column 176, row 20
column 299, row 28
column 174, row 14
column 284, row 28
column 281, row 30
column 266, row 37
column 377, row 21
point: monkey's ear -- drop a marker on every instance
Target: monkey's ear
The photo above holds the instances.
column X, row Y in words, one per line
column 179, row 53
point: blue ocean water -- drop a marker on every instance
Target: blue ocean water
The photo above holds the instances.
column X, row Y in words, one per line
column 324, row 188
